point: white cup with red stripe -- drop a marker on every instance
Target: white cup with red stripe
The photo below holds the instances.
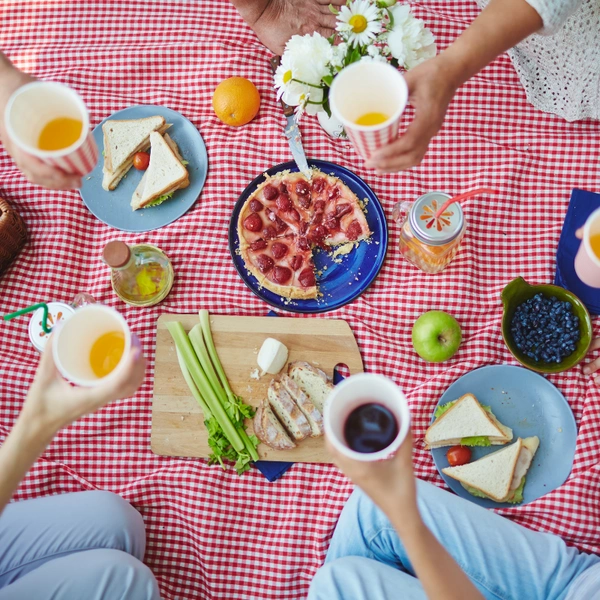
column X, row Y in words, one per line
column 368, row 98
column 50, row 121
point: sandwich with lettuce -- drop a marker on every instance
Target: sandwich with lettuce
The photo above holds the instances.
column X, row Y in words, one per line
column 466, row 422
column 499, row 476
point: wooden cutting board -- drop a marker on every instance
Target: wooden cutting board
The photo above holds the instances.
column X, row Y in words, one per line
column 177, row 421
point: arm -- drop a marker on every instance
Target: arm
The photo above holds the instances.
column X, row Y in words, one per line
column 431, row 85
column 33, row 168
column 52, row 404
column 391, row 485
column 276, row 21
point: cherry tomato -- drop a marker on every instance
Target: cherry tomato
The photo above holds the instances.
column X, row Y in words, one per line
column 458, row 455
column 141, row 160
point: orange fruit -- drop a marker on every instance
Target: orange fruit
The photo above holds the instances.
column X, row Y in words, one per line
column 236, row 101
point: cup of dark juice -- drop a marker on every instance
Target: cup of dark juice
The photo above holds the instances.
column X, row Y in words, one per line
column 366, row 417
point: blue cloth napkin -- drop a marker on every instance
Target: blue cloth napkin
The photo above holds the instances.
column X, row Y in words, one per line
column 273, row 469
column 581, row 206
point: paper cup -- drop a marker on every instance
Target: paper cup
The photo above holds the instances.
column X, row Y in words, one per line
column 355, row 391
column 32, row 106
column 587, row 263
column 365, row 87
column 74, row 338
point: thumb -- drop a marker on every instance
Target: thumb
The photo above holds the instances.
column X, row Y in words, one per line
column 579, row 233
column 47, row 370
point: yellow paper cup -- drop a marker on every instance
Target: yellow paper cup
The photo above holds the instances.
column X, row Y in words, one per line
column 33, row 106
column 74, row 338
column 369, row 87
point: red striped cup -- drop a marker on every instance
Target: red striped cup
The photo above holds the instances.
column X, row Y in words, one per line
column 33, row 106
column 369, row 87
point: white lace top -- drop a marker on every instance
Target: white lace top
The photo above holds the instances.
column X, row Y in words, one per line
column 559, row 67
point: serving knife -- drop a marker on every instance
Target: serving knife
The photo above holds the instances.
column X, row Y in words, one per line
column 292, row 132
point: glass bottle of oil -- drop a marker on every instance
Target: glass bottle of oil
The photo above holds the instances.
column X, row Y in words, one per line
column 142, row 275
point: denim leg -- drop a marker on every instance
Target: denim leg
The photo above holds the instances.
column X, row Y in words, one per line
column 34, row 532
column 88, row 575
column 359, row 578
column 504, row 560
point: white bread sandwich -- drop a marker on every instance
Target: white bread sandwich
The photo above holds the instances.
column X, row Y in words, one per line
column 165, row 174
column 269, row 430
column 500, row 475
column 122, row 140
column 468, row 423
column 313, row 382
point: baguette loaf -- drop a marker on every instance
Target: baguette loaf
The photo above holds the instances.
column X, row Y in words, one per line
column 313, row 416
column 269, row 430
column 313, row 382
column 287, row 410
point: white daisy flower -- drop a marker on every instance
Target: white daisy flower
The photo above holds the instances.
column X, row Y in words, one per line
column 359, row 22
column 409, row 41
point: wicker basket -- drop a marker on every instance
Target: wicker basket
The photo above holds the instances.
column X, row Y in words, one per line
column 13, row 234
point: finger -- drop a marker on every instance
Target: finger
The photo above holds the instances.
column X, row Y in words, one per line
column 579, row 233
column 41, row 173
column 326, row 3
column 592, row 367
column 595, row 344
column 327, row 20
column 46, row 370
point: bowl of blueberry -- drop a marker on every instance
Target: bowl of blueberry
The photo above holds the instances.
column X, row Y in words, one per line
column 546, row 328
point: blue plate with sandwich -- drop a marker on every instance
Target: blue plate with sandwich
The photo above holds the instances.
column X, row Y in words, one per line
column 519, row 429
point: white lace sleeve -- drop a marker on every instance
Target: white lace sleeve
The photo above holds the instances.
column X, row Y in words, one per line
column 553, row 12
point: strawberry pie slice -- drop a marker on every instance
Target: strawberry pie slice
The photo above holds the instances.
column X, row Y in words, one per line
column 285, row 218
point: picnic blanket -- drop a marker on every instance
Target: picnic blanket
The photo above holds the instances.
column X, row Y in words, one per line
column 212, row 534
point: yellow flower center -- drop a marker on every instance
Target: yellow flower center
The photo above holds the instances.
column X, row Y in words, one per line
column 358, row 23
column 287, row 76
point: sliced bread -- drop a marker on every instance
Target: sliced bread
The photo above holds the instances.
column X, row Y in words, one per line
column 269, row 430
column 313, row 382
column 288, row 411
column 312, row 414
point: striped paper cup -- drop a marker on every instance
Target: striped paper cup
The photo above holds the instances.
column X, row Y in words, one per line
column 369, row 87
column 33, row 106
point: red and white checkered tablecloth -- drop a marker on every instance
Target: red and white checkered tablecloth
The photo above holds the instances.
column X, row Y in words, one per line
column 212, row 534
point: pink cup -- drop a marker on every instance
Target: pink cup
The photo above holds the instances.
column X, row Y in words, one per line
column 32, row 106
column 369, row 87
column 587, row 263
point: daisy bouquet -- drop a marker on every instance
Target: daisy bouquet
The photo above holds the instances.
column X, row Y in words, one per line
column 378, row 30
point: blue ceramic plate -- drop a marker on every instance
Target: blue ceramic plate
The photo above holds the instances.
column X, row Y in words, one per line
column 530, row 405
column 339, row 283
column 113, row 207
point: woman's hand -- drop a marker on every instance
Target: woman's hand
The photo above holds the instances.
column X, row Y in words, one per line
column 276, row 21
column 430, row 90
column 52, row 403
column 594, row 365
column 389, row 483
column 32, row 167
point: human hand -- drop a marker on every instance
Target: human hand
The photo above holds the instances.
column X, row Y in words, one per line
column 52, row 403
column 431, row 87
column 279, row 20
column 594, row 365
column 32, row 167
column 389, row 483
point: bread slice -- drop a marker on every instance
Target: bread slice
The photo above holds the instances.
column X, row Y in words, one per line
column 313, row 416
column 122, row 139
column 312, row 381
column 466, row 418
column 287, row 411
column 498, row 474
column 269, row 430
column 165, row 173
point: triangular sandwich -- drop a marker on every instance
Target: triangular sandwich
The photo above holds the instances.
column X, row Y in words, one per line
column 468, row 423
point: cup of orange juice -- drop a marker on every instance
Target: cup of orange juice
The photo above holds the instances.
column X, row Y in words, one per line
column 50, row 121
column 89, row 346
column 587, row 260
column 368, row 98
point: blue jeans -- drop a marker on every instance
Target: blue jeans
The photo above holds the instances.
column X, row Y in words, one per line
column 505, row 561
column 82, row 546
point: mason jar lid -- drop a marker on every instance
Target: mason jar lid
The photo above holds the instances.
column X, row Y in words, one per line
column 57, row 312
column 430, row 230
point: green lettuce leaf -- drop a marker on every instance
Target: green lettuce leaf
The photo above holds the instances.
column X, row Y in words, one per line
column 476, row 440
column 185, row 162
column 474, row 491
column 160, row 200
column 442, row 408
column 517, row 497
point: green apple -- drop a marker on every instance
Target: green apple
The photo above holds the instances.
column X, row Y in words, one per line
column 436, row 336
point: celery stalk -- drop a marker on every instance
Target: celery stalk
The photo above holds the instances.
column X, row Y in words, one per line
column 204, row 388
column 199, row 346
column 193, row 389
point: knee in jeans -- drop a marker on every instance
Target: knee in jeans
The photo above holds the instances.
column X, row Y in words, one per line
column 329, row 580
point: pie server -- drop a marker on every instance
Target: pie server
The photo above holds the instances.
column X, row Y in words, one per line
column 292, row 132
